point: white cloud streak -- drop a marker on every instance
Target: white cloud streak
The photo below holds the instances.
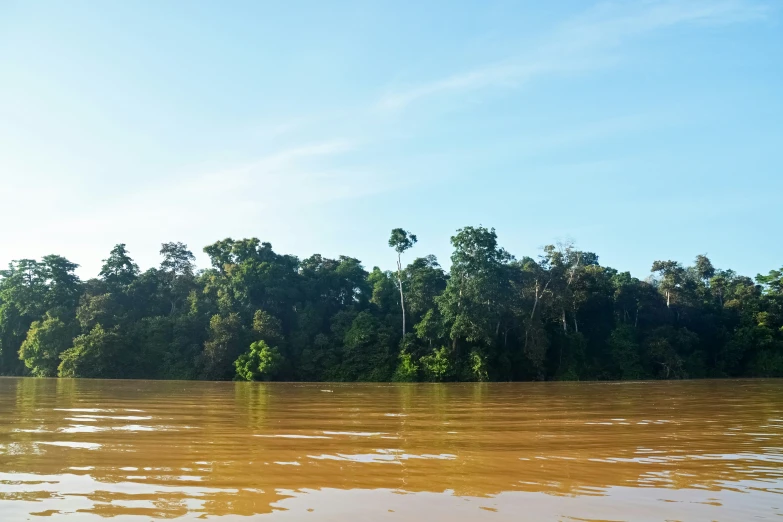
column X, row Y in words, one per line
column 257, row 198
column 288, row 179
column 583, row 43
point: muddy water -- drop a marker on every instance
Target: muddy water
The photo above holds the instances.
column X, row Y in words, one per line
column 142, row 450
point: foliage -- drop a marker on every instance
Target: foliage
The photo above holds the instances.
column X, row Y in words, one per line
column 223, row 345
column 401, row 240
column 438, row 366
column 407, row 369
column 119, row 269
column 255, row 314
column 477, row 364
column 99, row 353
column 45, row 341
column 366, row 354
column 260, row 363
column 624, row 353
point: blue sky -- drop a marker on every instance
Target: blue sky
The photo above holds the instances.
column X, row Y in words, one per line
column 642, row 130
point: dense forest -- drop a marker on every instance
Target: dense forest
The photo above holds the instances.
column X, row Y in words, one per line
column 259, row 315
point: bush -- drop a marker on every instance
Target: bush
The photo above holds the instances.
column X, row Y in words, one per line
column 260, row 363
column 438, row 365
column 407, row 370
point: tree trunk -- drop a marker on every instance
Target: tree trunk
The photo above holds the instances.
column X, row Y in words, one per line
column 402, row 297
column 538, row 297
column 565, row 325
column 402, row 305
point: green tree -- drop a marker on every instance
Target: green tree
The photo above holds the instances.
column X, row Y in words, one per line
column 224, row 345
column 624, row 350
column 63, row 286
column 426, row 280
column 28, row 291
column 704, row 269
column 45, row 341
column 119, row 270
column 260, row 363
column 407, row 369
column 367, row 350
column 99, row 354
column 22, row 293
column 178, row 273
column 772, row 282
column 477, row 296
column 438, row 366
column 267, row 327
column 384, row 291
column 177, row 259
column 672, row 275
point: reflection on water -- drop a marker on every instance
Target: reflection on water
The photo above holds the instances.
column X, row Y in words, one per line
column 140, row 450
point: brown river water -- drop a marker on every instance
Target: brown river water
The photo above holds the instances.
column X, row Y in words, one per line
column 153, row 450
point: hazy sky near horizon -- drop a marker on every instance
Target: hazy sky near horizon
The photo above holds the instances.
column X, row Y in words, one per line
column 641, row 129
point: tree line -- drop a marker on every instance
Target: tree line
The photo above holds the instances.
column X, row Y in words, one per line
column 259, row 315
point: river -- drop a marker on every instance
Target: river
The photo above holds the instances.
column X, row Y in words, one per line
column 149, row 450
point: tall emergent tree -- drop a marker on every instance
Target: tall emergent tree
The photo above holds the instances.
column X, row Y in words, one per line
column 178, row 271
column 401, row 240
column 119, row 269
column 672, row 276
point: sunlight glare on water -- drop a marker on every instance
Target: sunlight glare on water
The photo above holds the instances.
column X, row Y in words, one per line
column 141, row 450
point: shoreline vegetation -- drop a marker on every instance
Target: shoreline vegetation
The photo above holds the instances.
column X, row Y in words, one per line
column 259, row 315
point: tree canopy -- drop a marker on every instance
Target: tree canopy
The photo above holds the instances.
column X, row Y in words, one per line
column 256, row 314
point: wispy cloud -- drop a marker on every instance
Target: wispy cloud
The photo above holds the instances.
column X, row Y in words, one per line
column 583, row 43
column 264, row 197
column 288, row 178
column 268, row 167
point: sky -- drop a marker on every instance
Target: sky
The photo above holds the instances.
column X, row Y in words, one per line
column 641, row 130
